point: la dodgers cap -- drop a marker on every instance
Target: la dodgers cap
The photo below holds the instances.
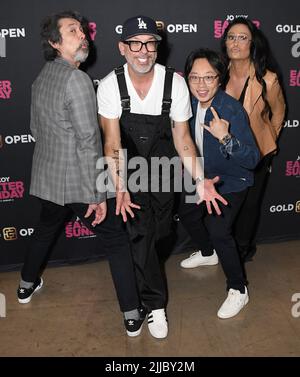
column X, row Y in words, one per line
column 139, row 25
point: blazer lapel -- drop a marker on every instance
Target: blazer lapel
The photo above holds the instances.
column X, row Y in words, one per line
column 253, row 91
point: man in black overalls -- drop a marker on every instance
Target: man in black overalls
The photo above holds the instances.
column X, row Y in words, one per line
column 144, row 108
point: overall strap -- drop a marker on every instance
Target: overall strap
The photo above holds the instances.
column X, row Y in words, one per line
column 167, row 100
column 125, row 99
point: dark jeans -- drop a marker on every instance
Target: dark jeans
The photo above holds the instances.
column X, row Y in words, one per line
column 114, row 241
column 213, row 231
column 248, row 218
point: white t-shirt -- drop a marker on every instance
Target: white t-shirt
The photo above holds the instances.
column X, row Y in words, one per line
column 109, row 100
column 198, row 128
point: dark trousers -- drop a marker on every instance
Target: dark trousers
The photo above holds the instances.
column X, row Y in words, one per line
column 114, row 241
column 213, row 231
column 143, row 235
column 248, row 217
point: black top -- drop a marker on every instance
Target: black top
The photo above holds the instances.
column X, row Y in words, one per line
column 242, row 96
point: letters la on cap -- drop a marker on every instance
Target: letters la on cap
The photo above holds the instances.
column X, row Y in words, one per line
column 139, row 25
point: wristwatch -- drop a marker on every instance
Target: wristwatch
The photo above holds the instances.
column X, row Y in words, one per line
column 225, row 139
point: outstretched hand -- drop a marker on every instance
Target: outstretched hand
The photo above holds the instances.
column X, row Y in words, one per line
column 100, row 212
column 124, row 205
column 207, row 192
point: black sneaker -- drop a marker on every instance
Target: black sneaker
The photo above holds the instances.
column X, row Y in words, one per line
column 134, row 326
column 25, row 294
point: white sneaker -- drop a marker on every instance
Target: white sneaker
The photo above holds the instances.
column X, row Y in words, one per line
column 233, row 304
column 197, row 259
column 157, row 323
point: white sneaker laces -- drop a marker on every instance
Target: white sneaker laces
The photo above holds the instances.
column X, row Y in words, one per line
column 195, row 253
column 234, row 296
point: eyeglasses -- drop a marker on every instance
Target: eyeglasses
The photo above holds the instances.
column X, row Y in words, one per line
column 136, row 46
column 238, row 38
column 194, row 79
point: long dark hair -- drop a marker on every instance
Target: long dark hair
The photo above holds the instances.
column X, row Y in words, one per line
column 50, row 31
column 260, row 55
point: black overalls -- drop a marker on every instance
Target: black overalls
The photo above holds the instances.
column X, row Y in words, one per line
column 148, row 136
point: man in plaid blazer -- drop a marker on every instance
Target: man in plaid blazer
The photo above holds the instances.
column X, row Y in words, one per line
column 68, row 145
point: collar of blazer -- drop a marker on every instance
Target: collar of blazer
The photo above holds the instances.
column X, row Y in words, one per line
column 253, row 91
column 63, row 61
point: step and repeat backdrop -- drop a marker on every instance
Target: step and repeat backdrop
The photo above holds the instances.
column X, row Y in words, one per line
column 186, row 25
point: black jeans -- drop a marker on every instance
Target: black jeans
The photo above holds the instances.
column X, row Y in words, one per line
column 114, row 241
column 213, row 231
column 248, row 217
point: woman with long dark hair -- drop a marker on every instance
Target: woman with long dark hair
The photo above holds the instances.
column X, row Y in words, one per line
column 253, row 79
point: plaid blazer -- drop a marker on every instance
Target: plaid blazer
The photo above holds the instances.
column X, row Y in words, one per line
column 68, row 141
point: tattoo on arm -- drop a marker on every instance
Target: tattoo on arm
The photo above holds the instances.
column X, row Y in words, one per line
column 173, row 124
column 116, row 160
column 186, row 148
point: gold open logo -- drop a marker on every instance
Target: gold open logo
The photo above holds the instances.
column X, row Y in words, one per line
column 10, row 233
column 160, row 25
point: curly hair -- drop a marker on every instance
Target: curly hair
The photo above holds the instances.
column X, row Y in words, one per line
column 260, row 56
column 50, row 31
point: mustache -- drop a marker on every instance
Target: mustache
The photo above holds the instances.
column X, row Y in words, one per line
column 84, row 44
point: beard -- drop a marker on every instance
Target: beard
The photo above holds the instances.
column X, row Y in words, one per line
column 82, row 54
column 138, row 68
column 141, row 68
